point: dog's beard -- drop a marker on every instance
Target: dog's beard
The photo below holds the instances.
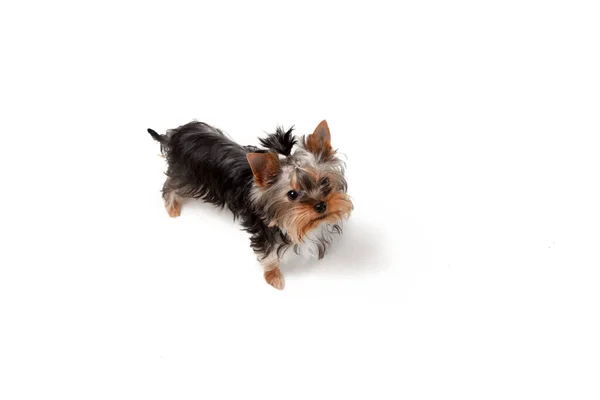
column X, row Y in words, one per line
column 314, row 234
column 316, row 241
column 299, row 222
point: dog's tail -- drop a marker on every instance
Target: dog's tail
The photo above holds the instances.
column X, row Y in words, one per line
column 162, row 139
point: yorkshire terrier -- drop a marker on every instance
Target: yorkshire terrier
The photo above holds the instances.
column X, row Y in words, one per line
column 284, row 199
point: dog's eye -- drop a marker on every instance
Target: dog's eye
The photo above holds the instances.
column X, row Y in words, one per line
column 293, row 195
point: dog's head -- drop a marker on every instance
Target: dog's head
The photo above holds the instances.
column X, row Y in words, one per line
column 304, row 190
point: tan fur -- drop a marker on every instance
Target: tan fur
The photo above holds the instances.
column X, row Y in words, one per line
column 274, row 278
column 304, row 218
column 294, row 182
column 313, row 173
column 265, row 167
column 320, row 140
column 299, row 221
column 272, row 274
column 339, row 203
column 172, row 205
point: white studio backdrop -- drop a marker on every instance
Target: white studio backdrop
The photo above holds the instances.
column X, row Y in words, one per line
column 468, row 270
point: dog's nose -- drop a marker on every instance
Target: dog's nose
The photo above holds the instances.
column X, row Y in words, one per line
column 320, row 207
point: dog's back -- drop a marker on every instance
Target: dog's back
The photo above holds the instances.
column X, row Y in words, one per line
column 205, row 164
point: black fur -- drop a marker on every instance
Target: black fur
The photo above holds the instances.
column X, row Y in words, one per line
column 156, row 136
column 281, row 141
column 205, row 164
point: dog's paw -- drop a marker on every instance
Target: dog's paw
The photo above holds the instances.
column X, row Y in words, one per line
column 173, row 209
column 275, row 278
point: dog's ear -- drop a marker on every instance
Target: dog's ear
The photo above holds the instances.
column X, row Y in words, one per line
column 265, row 167
column 320, row 140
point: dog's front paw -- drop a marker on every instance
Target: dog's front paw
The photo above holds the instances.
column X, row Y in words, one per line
column 275, row 278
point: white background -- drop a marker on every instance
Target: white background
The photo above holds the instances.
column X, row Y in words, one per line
column 470, row 267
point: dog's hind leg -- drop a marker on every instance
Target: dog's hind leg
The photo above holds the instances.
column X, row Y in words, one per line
column 172, row 200
column 173, row 204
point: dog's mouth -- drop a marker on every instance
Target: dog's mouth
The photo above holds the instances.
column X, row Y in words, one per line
column 320, row 217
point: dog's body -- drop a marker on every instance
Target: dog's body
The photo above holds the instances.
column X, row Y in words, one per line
column 282, row 199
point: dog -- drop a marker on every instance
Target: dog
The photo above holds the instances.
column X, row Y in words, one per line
column 291, row 193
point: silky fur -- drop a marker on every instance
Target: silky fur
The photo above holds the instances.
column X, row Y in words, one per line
column 254, row 183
